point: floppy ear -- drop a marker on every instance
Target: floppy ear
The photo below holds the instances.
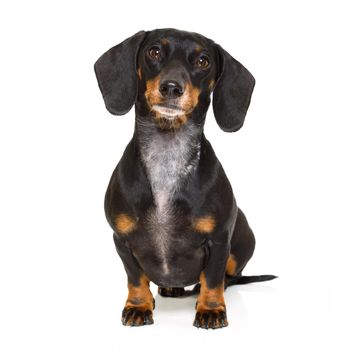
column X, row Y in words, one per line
column 232, row 92
column 116, row 74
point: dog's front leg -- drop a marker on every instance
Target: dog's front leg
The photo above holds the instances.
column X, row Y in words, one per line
column 210, row 306
column 138, row 309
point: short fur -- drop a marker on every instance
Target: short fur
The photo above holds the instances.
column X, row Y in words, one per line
column 169, row 202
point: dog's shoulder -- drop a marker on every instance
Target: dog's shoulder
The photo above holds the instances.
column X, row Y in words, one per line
column 128, row 188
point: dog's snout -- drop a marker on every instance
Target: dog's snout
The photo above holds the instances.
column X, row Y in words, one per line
column 171, row 89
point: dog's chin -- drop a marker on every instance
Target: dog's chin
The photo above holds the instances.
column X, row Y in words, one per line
column 170, row 117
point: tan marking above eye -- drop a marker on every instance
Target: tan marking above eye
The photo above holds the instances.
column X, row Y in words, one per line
column 125, row 223
column 204, row 224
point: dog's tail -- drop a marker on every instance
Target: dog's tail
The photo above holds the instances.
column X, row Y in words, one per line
column 232, row 280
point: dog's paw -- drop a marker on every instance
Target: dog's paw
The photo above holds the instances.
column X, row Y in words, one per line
column 210, row 319
column 136, row 316
column 171, row 292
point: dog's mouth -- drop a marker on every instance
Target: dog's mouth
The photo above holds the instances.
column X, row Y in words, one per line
column 168, row 111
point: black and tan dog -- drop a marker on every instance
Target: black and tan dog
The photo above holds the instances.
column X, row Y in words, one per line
column 169, row 202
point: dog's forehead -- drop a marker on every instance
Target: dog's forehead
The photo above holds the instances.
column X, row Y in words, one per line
column 178, row 38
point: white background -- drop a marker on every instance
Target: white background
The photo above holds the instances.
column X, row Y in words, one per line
column 62, row 285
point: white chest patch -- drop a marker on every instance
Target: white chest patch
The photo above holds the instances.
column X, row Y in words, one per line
column 169, row 157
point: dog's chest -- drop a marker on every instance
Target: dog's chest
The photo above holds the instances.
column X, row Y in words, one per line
column 169, row 159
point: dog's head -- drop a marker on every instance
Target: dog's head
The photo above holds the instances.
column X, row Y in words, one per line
column 170, row 74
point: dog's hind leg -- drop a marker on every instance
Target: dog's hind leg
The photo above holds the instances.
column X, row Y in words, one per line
column 242, row 246
column 242, row 249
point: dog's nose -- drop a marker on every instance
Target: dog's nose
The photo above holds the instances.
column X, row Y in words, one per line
column 171, row 89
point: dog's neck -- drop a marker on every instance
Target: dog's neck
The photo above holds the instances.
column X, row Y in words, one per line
column 169, row 156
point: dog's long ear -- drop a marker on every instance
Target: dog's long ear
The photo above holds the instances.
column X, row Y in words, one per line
column 116, row 74
column 232, row 92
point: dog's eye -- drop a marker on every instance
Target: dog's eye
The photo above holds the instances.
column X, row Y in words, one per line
column 154, row 52
column 203, row 62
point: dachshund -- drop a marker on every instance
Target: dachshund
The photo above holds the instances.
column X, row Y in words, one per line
column 170, row 205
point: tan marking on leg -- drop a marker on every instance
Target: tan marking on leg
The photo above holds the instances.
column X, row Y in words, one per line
column 210, row 299
column 139, row 305
column 140, row 296
column 125, row 223
column 231, row 265
column 211, row 309
column 204, row 225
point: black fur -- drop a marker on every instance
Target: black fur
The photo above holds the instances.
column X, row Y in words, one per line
column 205, row 190
column 232, row 93
column 116, row 75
